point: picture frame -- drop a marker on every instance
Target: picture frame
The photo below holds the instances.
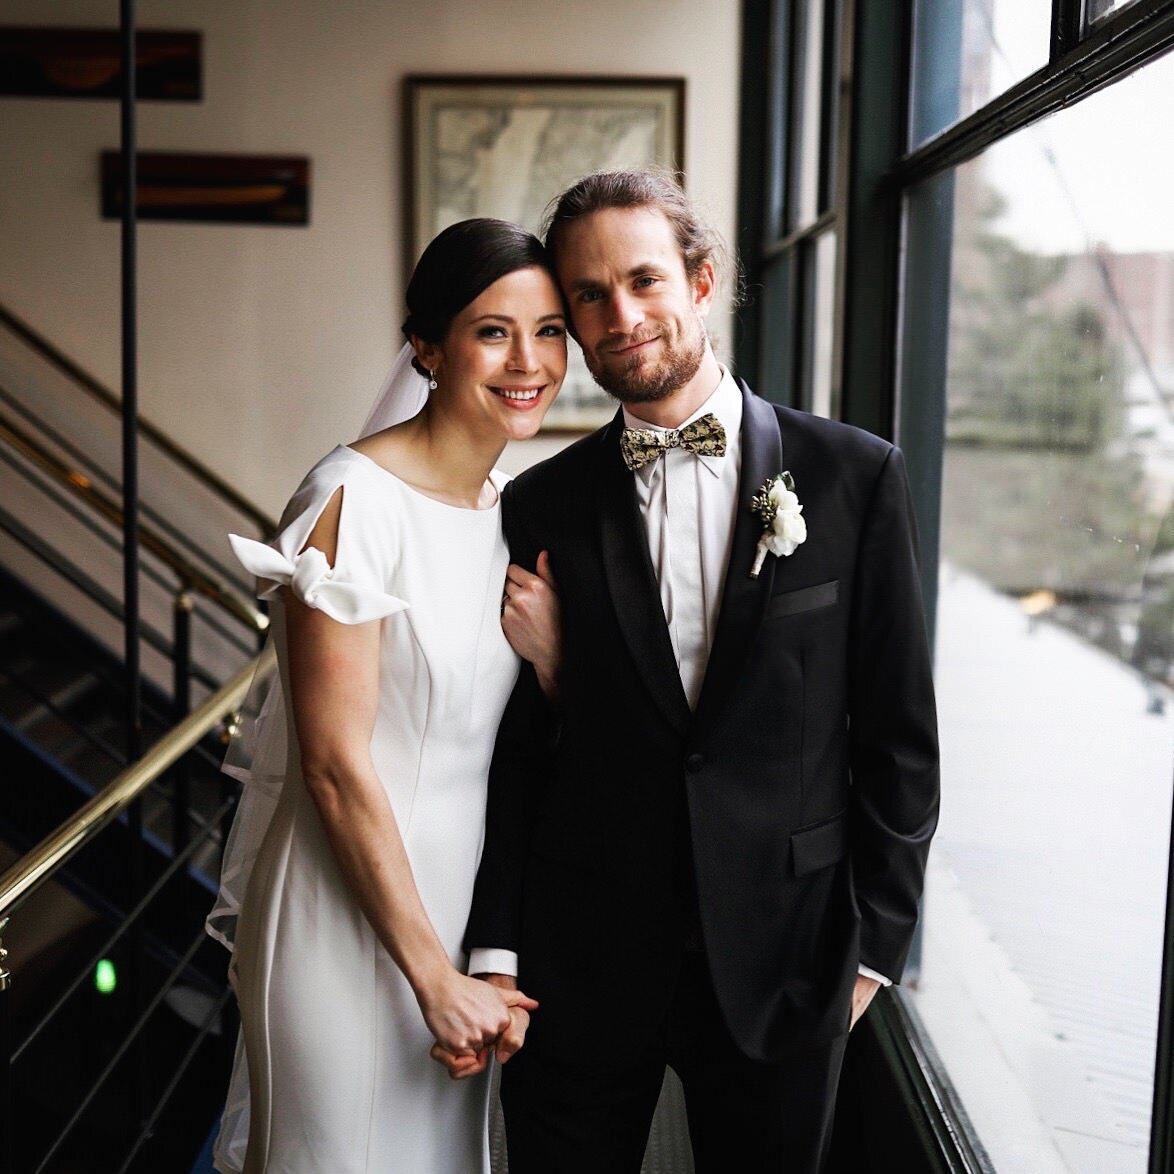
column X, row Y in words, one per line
column 212, row 188
column 487, row 145
column 87, row 64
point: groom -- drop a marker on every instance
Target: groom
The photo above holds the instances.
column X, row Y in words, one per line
column 712, row 855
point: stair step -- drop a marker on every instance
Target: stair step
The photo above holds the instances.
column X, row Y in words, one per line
column 56, row 695
column 95, row 762
column 43, row 673
column 10, row 623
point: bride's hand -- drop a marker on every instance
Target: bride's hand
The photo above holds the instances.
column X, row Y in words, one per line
column 507, row 1044
column 467, row 1016
column 532, row 620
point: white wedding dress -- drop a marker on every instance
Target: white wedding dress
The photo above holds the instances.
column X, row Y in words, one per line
column 340, row 1078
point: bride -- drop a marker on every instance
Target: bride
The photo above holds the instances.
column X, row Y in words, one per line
column 350, row 869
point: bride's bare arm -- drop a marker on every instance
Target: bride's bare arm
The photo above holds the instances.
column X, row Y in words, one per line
column 334, row 682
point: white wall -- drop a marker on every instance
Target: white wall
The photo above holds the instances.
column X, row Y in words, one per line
column 261, row 347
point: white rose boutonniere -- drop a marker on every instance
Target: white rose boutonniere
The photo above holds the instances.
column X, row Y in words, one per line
column 781, row 515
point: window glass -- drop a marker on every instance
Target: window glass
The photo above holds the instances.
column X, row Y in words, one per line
column 809, row 111
column 821, row 324
column 778, row 120
column 969, row 51
column 1046, row 892
column 1101, row 8
column 776, row 350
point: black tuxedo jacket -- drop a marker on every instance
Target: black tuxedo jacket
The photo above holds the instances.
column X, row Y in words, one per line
column 787, row 819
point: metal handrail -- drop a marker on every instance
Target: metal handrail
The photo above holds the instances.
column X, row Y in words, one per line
column 191, row 577
column 51, row 435
column 103, row 395
column 38, row 865
column 85, row 583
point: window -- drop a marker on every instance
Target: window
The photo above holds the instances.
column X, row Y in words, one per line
column 992, row 283
column 967, row 52
column 1046, row 897
column 792, row 277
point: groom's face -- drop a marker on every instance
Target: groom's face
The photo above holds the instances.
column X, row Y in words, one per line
column 636, row 313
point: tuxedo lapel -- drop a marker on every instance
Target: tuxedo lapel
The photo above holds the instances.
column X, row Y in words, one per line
column 631, row 581
column 743, row 598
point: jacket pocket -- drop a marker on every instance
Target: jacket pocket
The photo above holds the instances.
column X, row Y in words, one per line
column 787, row 603
column 818, row 846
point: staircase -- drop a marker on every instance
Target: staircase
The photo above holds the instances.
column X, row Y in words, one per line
column 61, row 711
column 127, row 1073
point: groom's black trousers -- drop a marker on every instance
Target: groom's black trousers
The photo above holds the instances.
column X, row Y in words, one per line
column 580, row 1115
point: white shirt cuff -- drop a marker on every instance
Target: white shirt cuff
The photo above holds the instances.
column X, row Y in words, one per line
column 483, row 961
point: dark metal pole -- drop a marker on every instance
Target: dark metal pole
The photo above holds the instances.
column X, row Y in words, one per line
column 130, row 406
column 130, row 514
column 6, row 1116
column 181, row 659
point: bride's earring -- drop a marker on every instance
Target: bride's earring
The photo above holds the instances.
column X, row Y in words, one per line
column 431, row 379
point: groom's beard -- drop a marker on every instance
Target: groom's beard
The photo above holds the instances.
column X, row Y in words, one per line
column 643, row 380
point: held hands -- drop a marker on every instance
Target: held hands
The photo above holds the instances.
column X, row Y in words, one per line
column 505, row 1006
column 532, row 620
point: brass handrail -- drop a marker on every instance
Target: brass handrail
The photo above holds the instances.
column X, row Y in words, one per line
column 190, row 577
column 38, row 865
column 160, row 439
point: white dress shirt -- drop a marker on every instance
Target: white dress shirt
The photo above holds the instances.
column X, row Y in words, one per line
column 688, row 504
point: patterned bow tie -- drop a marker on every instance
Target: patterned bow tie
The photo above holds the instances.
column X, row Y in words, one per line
column 641, row 446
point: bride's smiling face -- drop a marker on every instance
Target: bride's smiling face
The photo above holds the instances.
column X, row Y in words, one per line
column 504, row 356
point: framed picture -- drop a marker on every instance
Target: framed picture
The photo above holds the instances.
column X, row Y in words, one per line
column 504, row 146
column 87, row 63
column 213, row 189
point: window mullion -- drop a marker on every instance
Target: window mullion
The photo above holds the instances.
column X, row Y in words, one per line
column 1068, row 25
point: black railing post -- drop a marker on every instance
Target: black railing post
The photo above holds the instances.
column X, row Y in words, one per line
column 6, row 1118
column 130, row 516
column 182, row 704
column 130, row 464
column 229, row 788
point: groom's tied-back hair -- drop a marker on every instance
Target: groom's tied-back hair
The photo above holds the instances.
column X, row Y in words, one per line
column 458, row 265
column 639, row 188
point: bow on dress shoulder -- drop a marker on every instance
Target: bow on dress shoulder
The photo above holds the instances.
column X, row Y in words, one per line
column 315, row 582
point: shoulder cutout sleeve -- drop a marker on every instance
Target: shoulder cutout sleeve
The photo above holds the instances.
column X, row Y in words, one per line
column 354, row 590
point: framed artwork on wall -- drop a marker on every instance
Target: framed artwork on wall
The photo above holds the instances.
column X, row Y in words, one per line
column 87, row 63
column 505, row 146
column 213, row 189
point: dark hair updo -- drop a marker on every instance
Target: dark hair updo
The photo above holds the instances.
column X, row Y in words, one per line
column 458, row 265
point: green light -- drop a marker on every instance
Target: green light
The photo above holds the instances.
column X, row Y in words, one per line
column 105, row 977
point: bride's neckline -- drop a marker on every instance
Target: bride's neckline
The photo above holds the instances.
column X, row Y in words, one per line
column 417, row 492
